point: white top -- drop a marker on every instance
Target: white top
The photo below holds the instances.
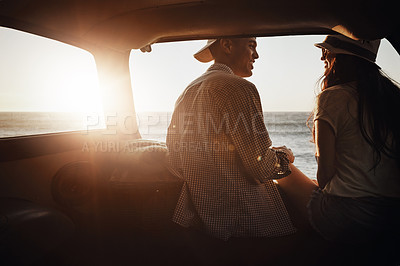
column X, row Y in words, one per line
column 338, row 106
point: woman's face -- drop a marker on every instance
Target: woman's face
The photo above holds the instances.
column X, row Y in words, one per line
column 328, row 58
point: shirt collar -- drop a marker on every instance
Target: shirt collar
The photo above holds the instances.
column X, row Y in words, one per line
column 220, row 67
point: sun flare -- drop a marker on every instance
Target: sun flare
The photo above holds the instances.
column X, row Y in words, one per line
column 43, row 75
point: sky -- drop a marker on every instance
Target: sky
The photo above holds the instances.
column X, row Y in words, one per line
column 38, row 74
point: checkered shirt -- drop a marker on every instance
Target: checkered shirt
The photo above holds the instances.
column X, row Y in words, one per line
column 219, row 146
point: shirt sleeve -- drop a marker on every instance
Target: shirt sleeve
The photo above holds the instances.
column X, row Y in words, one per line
column 249, row 134
column 332, row 107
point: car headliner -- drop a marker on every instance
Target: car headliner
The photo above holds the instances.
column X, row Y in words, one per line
column 128, row 24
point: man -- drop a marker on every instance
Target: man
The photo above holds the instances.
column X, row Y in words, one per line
column 219, row 146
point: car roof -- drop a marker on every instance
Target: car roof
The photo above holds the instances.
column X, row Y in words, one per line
column 128, row 24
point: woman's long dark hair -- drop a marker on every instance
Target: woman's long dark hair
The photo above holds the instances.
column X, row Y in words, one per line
column 378, row 103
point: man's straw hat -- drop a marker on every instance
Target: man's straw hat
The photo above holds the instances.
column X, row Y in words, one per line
column 204, row 54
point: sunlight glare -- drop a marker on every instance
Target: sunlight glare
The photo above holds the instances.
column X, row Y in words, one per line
column 43, row 75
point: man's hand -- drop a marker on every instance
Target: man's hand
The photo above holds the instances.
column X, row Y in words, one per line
column 286, row 151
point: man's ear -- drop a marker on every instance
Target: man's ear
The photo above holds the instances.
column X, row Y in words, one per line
column 226, row 45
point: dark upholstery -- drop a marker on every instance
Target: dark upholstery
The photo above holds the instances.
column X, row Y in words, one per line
column 29, row 231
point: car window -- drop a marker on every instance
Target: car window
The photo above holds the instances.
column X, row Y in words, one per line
column 286, row 75
column 46, row 86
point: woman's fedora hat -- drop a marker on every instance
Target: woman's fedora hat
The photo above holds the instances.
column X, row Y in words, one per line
column 340, row 44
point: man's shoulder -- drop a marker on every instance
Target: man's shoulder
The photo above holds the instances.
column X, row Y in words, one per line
column 223, row 79
column 228, row 88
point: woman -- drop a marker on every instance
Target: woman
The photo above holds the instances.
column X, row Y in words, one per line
column 357, row 137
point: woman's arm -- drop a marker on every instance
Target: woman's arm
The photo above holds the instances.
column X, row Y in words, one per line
column 325, row 143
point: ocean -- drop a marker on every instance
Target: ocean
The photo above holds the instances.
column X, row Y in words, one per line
column 285, row 128
column 31, row 123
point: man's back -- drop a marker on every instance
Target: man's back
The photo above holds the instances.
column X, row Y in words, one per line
column 219, row 146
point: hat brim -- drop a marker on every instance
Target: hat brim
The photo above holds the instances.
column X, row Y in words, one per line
column 204, row 54
column 335, row 50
